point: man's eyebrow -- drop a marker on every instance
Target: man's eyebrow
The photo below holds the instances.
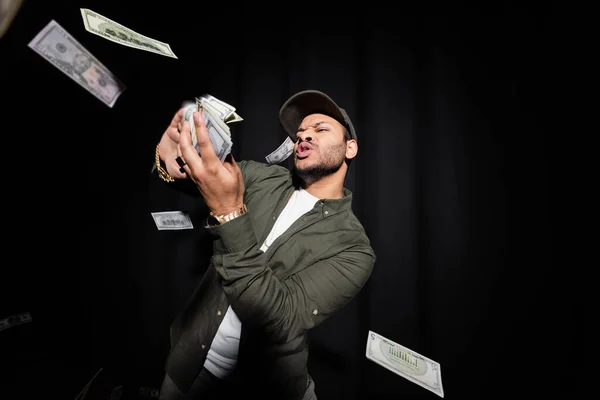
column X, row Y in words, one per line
column 314, row 125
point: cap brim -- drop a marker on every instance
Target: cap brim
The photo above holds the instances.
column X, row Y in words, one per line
column 307, row 102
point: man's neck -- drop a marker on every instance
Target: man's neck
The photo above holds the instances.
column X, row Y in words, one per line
column 328, row 187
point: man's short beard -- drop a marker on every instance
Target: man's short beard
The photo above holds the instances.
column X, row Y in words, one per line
column 327, row 167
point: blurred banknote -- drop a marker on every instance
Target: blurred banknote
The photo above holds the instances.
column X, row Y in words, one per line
column 281, row 153
column 217, row 115
column 14, row 320
column 115, row 32
column 60, row 49
column 172, row 220
column 405, row 362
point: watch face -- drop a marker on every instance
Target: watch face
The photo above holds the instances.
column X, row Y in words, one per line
column 212, row 221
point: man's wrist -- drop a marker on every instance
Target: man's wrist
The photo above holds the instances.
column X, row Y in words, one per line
column 227, row 209
column 234, row 236
column 161, row 167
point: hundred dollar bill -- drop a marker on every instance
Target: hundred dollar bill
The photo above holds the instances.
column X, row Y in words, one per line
column 280, row 154
column 59, row 48
column 188, row 115
column 172, row 220
column 226, row 112
column 219, row 136
column 217, row 114
column 405, row 362
column 218, row 133
column 14, row 320
column 113, row 31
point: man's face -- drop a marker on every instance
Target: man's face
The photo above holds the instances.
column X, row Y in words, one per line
column 320, row 148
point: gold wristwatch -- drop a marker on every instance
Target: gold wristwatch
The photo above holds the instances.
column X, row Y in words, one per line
column 214, row 220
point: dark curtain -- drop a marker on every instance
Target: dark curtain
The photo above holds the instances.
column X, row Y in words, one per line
column 451, row 183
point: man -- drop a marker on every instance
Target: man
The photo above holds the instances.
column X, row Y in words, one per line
column 288, row 254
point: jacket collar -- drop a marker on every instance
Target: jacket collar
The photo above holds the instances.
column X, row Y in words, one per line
column 345, row 203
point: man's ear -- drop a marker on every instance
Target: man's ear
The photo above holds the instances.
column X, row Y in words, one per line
column 351, row 149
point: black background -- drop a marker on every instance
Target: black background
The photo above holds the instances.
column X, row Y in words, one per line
column 453, row 108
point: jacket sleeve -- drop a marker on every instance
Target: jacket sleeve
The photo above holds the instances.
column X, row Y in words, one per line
column 284, row 309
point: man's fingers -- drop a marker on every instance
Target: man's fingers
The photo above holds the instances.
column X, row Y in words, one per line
column 188, row 152
column 177, row 119
column 229, row 163
column 206, row 149
column 174, row 128
column 173, row 135
column 185, row 137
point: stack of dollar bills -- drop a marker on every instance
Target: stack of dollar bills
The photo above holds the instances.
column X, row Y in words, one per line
column 217, row 115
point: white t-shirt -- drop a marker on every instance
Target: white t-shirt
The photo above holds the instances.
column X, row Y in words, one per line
column 222, row 355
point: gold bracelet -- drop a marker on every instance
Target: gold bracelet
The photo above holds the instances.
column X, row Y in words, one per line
column 164, row 175
column 215, row 220
column 232, row 215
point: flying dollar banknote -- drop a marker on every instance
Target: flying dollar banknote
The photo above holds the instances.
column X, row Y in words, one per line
column 14, row 320
column 115, row 32
column 172, row 220
column 405, row 362
column 63, row 51
column 281, row 153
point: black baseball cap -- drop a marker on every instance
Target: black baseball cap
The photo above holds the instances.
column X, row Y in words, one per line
column 307, row 102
